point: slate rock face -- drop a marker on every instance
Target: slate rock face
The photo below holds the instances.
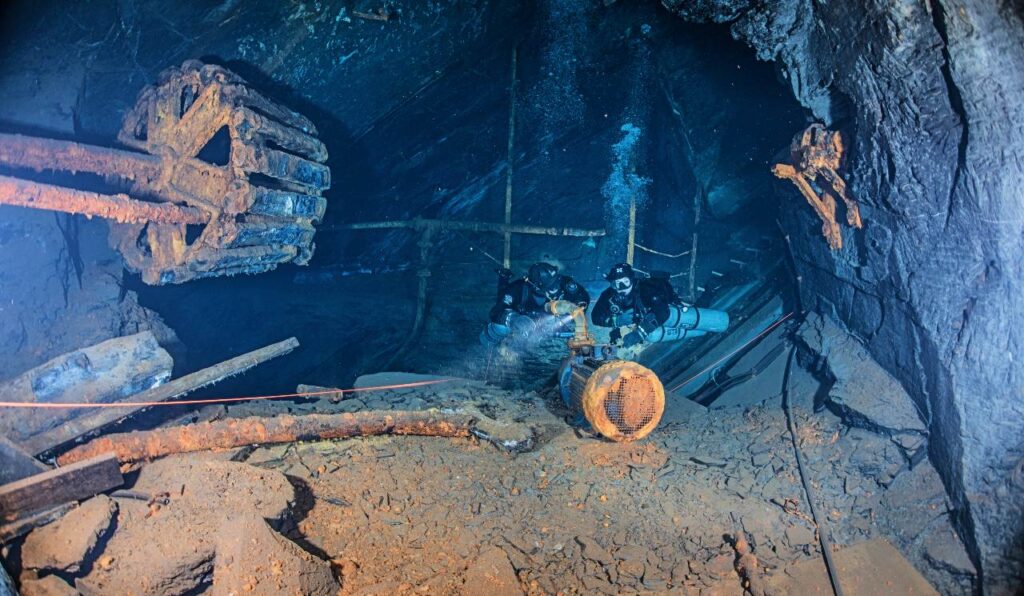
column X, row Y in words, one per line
column 929, row 96
column 864, row 394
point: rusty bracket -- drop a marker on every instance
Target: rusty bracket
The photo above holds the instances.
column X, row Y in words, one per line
column 817, row 156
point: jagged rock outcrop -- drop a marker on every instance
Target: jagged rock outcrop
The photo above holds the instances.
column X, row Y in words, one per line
column 929, row 94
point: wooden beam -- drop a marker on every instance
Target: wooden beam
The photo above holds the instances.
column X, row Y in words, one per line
column 255, row 430
column 16, row 463
column 24, row 525
column 507, row 260
column 74, row 482
column 85, row 424
column 468, row 226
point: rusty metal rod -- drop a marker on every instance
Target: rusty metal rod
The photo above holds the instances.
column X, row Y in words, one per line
column 470, row 226
column 119, row 207
column 20, row 151
column 239, row 432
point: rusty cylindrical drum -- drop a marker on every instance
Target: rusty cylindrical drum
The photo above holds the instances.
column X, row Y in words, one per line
column 621, row 400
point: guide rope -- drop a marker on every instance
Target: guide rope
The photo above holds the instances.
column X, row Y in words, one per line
column 219, row 400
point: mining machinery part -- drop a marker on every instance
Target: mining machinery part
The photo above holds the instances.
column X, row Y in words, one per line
column 817, row 156
column 581, row 339
column 219, row 179
column 623, row 401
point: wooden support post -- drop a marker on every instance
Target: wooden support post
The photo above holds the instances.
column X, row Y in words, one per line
column 507, row 259
column 16, row 463
column 24, row 525
column 425, row 244
column 81, row 480
column 631, row 242
column 82, row 425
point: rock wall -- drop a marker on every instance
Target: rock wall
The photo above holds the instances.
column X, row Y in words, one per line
column 930, row 95
column 61, row 285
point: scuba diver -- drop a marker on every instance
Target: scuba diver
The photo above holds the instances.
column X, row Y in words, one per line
column 522, row 302
column 652, row 307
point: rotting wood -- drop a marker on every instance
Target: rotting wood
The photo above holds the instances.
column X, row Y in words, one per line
column 250, row 208
column 239, row 432
column 82, row 479
column 109, row 371
column 818, row 153
column 83, row 425
column 16, row 463
column 24, row 525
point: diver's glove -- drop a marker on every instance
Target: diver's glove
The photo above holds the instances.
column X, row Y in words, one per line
column 631, row 339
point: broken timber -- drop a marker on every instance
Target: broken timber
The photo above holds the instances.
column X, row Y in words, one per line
column 83, row 425
column 83, row 479
column 239, row 432
column 109, row 371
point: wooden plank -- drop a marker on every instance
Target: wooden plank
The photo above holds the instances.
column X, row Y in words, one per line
column 87, row 423
column 77, row 481
column 24, row 525
column 108, row 371
column 16, row 464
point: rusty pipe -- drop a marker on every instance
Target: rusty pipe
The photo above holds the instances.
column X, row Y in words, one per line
column 120, row 207
column 20, row 151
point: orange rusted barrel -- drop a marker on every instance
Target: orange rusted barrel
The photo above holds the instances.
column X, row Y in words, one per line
column 621, row 400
